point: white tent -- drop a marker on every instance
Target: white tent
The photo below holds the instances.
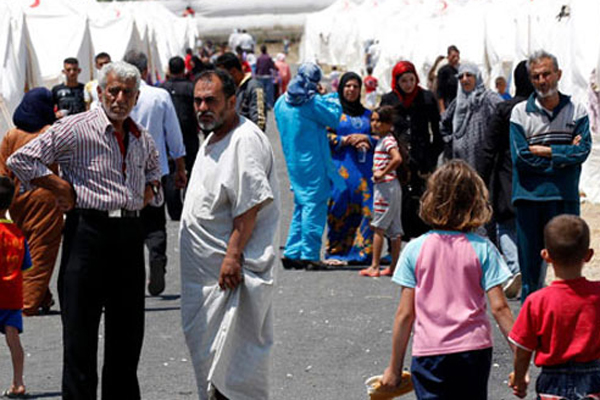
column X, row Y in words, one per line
column 495, row 34
column 273, row 17
column 12, row 59
column 56, row 30
column 37, row 35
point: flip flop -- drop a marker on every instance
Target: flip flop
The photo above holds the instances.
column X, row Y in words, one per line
column 367, row 272
column 12, row 395
column 376, row 393
column 386, row 272
column 333, row 262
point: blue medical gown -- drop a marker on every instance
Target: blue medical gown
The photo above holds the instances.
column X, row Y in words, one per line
column 311, row 171
column 306, row 148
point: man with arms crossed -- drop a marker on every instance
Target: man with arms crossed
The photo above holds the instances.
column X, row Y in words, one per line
column 549, row 140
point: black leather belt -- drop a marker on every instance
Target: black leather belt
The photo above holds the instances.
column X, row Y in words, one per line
column 118, row 213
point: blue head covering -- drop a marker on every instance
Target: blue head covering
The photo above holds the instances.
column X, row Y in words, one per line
column 304, row 85
column 35, row 111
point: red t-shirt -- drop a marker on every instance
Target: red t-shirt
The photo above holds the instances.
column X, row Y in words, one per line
column 188, row 62
column 246, row 67
column 560, row 323
column 14, row 258
column 370, row 83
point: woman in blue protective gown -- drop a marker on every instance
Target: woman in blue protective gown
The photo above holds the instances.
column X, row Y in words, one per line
column 303, row 116
column 349, row 236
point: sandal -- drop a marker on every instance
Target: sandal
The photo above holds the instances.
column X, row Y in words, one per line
column 9, row 394
column 369, row 273
column 387, row 272
column 334, row 262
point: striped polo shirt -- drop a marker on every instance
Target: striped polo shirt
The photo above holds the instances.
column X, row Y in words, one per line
column 382, row 157
column 87, row 150
column 538, row 178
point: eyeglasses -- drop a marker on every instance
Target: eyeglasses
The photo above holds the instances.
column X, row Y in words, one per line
column 465, row 75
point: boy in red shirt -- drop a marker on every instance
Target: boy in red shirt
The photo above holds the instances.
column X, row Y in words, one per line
column 560, row 322
column 14, row 258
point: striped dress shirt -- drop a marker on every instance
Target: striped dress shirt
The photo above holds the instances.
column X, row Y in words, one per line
column 87, row 151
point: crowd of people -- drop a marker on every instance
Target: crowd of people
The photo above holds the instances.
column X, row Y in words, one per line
column 420, row 166
column 456, row 172
column 94, row 166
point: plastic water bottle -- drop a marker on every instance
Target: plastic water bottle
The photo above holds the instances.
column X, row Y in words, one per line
column 362, row 154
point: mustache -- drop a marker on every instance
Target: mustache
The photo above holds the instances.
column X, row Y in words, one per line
column 548, row 93
column 200, row 114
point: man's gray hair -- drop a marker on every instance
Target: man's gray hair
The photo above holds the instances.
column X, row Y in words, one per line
column 538, row 55
column 123, row 71
column 138, row 59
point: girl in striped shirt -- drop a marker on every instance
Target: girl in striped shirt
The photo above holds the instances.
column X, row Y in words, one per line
column 388, row 166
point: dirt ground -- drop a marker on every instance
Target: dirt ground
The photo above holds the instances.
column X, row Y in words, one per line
column 591, row 213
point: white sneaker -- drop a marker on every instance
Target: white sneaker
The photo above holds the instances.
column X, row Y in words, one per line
column 512, row 287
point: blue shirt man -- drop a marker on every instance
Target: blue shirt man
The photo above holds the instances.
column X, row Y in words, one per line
column 155, row 111
column 549, row 140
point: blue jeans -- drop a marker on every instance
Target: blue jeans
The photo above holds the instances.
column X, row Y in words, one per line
column 507, row 240
column 532, row 217
column 443, row 377
column 573, row 381
column 267, row 83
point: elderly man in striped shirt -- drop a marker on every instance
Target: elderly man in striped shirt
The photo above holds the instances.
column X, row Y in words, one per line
column 110, row 170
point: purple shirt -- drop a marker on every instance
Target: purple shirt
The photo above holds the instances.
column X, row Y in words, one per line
column 451, row 273
column 265, row 65
column 87, row 151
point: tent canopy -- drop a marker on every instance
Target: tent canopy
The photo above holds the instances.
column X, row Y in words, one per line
column 36, row 36
column 495, row 34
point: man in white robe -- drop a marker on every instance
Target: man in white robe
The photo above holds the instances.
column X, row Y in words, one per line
column 228, row 253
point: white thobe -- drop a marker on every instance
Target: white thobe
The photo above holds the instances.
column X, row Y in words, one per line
column 230, row 333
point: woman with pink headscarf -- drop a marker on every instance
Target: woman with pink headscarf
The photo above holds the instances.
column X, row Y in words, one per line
column 284, row 73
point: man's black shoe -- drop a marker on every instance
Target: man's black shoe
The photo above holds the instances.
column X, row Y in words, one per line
column 290, row 263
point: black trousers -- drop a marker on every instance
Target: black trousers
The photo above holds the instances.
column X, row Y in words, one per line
column 102, row 269
column 155, row 232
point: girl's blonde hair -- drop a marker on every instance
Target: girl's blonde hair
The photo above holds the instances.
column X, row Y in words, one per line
column 456, row 199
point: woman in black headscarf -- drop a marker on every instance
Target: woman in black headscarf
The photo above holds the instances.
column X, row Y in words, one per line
column 349, row 236
column 34, row 211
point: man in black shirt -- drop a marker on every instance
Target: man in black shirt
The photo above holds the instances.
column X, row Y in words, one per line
column 181, row 90
column 68, row 97
column 447, row 80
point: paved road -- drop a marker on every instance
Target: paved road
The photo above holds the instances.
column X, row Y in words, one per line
column 332, row 331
